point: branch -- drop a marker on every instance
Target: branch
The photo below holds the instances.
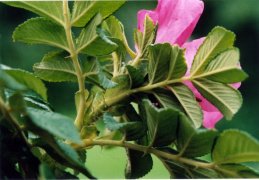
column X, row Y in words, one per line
column 115, row 99
column 145, row 149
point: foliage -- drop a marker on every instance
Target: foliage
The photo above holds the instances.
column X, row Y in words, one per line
column 138, row 101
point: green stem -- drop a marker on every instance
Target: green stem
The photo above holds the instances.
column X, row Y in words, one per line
column 137, row 60
column 146, row 149
column 74, row 56
column 230, row 173
column 160, row 84
column 116, row 64
column 115, row 99
column 130, row 52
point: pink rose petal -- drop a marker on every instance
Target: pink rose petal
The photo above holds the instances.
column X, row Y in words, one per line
column 176, row 19
column 211, row 118
column 236, row 85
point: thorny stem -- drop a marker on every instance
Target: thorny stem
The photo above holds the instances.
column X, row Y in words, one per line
column 74, row 56
column 145, row 149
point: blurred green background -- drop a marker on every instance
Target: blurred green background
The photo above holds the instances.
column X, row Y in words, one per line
column 240, row 16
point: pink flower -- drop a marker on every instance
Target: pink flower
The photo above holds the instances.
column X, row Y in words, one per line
column 176, row 21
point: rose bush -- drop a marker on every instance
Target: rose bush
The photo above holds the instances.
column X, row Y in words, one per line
column 149, row 102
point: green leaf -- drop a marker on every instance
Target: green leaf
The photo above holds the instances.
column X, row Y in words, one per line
column 187, row 99
column 136, row 76
column 193, row 142
column 224, row 68
column 33, row 100
column 123, row 84
column 166, row 62
column 17, row 103
column 134, row 133
column 83, row 11
column 114, row 27
column 64, row 154
column 138, row 165
column 182, row 171
column 235, row 146
column 161, row 123
column 166, row 100
column 237, row 171
column 29, row 80
column 9, row 82
column 147, row 37
column 93, row 72
column 114, row 125
column 227, row 99
column 46, row 172
column 52, row 10
column 54, row 123
column 55, row 67
column 115, row 31
column 176, row 171
column 93, row 41
column 64, row 175
column 217, row 40
column 69, row 153
column 41, row 31
column 30, row 98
